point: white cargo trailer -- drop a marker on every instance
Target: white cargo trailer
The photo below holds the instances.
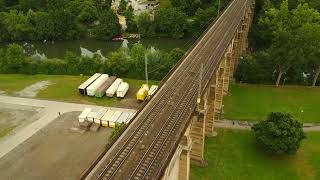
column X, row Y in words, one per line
column 91, row 116
column 113, row 88
column 122, row 90
column 82, row 88
column 152, row 90
column 91, row 90
column 83, row 116
column 114, row 118
column 124, row 117
column 99, row 115
column 105, row 119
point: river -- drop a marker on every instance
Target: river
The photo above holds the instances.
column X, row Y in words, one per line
column 59, row 48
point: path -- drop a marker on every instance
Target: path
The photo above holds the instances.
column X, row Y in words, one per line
column 50, row 112
column 245, row 125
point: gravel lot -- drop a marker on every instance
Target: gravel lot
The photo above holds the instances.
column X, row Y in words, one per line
column 14, row 117
column 54, row 152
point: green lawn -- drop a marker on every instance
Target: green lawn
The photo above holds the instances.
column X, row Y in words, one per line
column 63, row 88
column 233, row 154
column 254, row 102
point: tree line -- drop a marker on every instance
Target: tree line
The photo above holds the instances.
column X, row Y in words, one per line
column 285, row 44
column 125, row 62
column 26, row 20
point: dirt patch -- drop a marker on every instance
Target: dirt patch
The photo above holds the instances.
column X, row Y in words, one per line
column 15, row 117
column 2, row 92
column 34, row 89
column 54, row 152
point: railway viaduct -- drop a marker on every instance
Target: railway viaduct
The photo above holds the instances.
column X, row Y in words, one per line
column 169, row 131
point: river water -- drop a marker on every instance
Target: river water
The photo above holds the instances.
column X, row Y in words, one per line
column 59, row 48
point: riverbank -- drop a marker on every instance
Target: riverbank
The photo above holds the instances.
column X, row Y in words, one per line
column 57, row 49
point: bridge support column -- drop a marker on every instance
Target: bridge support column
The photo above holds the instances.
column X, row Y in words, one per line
column 179, row 166
column 184, row 164
column 228, row 70
column 197, row 136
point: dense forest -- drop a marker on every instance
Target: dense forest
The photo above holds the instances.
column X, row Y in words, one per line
column 284, row 44
column 26, row 20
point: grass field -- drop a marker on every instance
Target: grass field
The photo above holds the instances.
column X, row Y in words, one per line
column 63, row 88
column 253, row 103
column 233, row 154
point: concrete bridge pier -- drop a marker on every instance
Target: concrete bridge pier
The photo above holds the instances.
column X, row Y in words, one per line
column 179, row 167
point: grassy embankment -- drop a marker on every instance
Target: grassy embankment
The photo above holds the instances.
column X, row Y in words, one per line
column 63, row 88
column 254, row 102
column 233, row 154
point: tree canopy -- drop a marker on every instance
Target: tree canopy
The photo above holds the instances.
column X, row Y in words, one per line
column 279, row 134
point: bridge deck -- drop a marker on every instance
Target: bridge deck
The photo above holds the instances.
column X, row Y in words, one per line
column 146, row 147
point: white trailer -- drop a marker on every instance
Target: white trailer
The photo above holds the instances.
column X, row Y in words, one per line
column 105, row 119
column 124, row 118
column 114, row 118
column 87, row 83
column 83, row 116
column 122, row 90
column 113, row 88
column 99, row 115
column 91, row 116
column 91, row 90
column 152, row 90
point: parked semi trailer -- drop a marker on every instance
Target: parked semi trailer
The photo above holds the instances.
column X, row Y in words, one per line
column 83, row 116
column 122, row 90
column 143, row 92
column 114, row 118
column 91, row 90
column 83, row 87
column 105, row 119
column 113, row 88
column 101, row 91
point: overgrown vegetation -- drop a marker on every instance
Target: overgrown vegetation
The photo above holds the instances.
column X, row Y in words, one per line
column 285, row 40
column 279, row 133
column 118, row 130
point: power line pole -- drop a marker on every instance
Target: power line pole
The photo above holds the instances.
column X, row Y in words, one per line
column 146, row 68
column 200, row 84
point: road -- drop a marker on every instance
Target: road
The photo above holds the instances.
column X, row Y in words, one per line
column 50, row 112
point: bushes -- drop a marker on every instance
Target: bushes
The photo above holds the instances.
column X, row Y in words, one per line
column 279, row 134
column 123, row 62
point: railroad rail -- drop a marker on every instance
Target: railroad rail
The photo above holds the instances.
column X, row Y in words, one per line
column 146, row 147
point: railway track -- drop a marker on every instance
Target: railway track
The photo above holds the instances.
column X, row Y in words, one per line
column 145, row 149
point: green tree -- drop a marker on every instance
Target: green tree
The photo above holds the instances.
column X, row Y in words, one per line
column 17, row 26
column 25, row 5
column 290, row 35
column 122, row 7
column 88, row 13
column 119, row 63
column 137, row 54
column 187, row 6
column 171, row 21
column 279, row 134
column 130, row 22
column 202, row 18
column 108, row 26
column 146, row 27
column 14, row 58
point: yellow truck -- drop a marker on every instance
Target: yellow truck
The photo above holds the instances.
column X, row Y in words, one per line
column 143, row 92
